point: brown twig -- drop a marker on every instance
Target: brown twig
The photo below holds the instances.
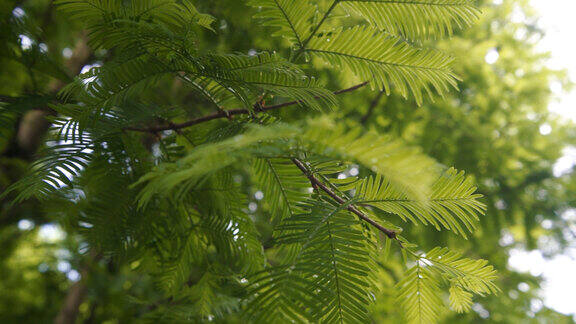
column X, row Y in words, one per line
column 388, row 232
column 371, row 108
column 228, row 113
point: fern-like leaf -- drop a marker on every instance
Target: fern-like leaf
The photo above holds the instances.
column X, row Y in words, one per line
column 404, row 166
column 332, row 269
column 227, row 227
column 418, row 294
column 386, row 61
column 207, row 159
column 291, row 18
column 283, row 185
column 55, row 169
column 416, row 20
column 265, row 72
column 452, row 202
column 167, row 12
column 419, row 291
column 460, row 299
column 473, row 275
column 245, row 77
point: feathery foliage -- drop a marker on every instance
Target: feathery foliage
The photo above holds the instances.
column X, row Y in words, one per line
column 329, row 280
column 404, row 166
column 55, row 169
column 451, row 204
column 418, row 291
column 378, row 54
column 386, row 60
column 416, row 20
column 172, row 201
column 282, row 184
column 418, row 295
column 460, row 299
column 291, row 19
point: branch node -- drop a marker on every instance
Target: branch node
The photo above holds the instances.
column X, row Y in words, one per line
column 319, row 184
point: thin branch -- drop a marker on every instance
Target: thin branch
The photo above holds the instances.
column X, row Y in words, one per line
column 371, row 108
column 315, row 182
column 8, row 99
column 228, row 113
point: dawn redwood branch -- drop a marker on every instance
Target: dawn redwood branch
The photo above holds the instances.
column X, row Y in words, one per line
column 228, row 113
column 319, row 184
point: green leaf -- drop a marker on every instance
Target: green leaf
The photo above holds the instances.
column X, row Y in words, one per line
column 207, row 159
column 56, row 168
column 386, row 61
column 416, row 20
column 332, row 269
column 452, row 202
column 167, row 12
column 472, row 275
column 403, row 165
column 283, row 185
column 291, row 18
column 264, row 72
column 418, row 294
column 245, row 77
column 460, row 299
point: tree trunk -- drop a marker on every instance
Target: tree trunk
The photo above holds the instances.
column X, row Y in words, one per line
column 69, row 311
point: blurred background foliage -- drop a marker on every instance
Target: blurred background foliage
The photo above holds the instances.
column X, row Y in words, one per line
column 497, row 128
